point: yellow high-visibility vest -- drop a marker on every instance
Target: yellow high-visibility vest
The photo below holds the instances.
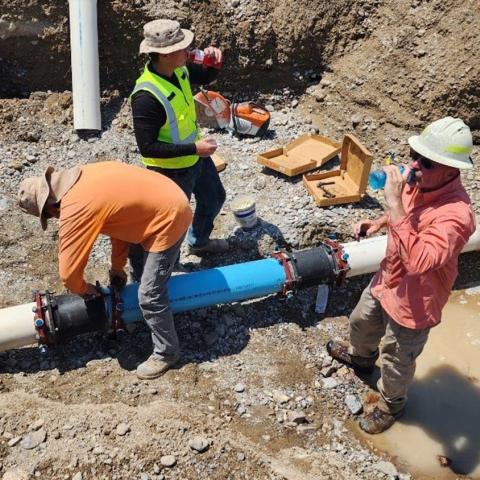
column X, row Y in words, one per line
column 181, row 125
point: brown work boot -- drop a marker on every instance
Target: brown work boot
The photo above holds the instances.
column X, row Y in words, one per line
column 339, row 351
column 155, row 367
column 377, row 421
column 214, row 245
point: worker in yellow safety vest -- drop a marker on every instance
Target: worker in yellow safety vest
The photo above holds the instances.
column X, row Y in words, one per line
column 166, row 130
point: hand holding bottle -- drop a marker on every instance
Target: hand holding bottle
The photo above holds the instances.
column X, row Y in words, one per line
column 378, row 178
column 210, row 57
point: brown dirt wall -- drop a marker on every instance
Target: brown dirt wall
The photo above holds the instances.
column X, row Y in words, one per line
column 406, row 58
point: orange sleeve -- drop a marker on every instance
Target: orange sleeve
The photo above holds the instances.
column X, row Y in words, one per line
column 76, row 242
column 119, row 254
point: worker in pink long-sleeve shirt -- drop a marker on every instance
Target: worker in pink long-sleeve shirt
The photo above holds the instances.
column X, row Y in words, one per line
column 429, row 221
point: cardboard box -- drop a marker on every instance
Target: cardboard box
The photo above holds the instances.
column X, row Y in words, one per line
column 220, row 163
column 303, row 154
column 346, row 185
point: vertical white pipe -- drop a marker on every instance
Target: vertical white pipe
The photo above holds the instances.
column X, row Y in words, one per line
column 85, row 70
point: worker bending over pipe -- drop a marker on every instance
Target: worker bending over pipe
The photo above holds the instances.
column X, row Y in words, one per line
column 130, row 205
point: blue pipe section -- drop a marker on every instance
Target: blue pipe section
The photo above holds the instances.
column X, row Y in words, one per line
column 232, row 283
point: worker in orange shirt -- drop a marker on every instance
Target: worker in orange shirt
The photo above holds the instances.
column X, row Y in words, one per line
column 130, row 205
column 429, row 223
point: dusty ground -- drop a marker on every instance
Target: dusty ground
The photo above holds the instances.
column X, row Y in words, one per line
column 251, row 390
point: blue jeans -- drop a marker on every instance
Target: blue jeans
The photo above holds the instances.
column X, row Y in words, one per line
column 203, row 181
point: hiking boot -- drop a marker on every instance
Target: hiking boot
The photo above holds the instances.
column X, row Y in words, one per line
column 155, row 367
column 339, row 351
column 378, row 421
column 214, row 245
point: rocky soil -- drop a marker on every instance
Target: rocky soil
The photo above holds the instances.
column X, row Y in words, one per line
column 255, row 395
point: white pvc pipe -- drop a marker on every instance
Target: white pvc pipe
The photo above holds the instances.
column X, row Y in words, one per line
column 365, row 256
column 85, row 71
column 17, row 327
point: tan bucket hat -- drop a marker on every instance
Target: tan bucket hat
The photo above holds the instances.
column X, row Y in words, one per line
column 34, row 192
column 165, row 36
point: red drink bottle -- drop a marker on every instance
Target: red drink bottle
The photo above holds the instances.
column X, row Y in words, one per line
column 198, row 56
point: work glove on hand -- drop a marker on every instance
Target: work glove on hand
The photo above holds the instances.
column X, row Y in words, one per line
column 118, row 279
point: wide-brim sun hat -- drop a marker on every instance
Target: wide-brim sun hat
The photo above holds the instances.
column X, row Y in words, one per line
column 165, row 36
column 447, row 141
column 34, row 192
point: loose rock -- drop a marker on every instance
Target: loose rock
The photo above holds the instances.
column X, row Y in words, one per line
column 122, row 429
column 34, row 439
column 330, row 383
column 239, row 387
column 387, row 468
column 353, row 404
column 199, row 444
column 168, row 461
column 280, row 397
column 14, row 441
column 296, row 417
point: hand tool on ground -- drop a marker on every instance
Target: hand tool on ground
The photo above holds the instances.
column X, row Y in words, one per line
column 326, row 193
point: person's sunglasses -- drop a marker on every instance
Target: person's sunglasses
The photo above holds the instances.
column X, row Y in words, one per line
column 424, row 162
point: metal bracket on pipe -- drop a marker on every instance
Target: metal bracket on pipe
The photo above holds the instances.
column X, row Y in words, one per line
column 340, row 258
column 290, row 285
column 43, row 318
column 118, row 325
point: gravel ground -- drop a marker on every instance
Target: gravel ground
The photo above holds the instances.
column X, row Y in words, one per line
column 255, row 396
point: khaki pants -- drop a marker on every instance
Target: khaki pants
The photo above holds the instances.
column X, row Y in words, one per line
column 373, row 331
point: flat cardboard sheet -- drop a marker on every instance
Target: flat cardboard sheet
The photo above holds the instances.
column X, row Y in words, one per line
column 302, row 155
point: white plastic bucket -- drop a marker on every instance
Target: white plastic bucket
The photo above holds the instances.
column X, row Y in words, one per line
column 243, row 209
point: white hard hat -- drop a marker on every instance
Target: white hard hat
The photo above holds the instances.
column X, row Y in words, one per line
column 447, row 141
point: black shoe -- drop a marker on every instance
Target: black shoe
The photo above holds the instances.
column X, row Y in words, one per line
column 214, row 245
column 378, row 421
column 339, row 351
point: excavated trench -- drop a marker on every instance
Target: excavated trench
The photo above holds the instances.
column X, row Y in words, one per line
column 382, row 69
column 261, row 46
column 402, row 60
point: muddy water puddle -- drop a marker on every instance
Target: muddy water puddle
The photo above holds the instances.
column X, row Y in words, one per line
column 443, row 416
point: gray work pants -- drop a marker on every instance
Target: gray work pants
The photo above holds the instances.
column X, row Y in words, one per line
column 153, row 301
column 372, row 329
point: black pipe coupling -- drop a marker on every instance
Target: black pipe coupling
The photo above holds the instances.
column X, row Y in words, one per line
column 61, row 317
column 326, row 264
